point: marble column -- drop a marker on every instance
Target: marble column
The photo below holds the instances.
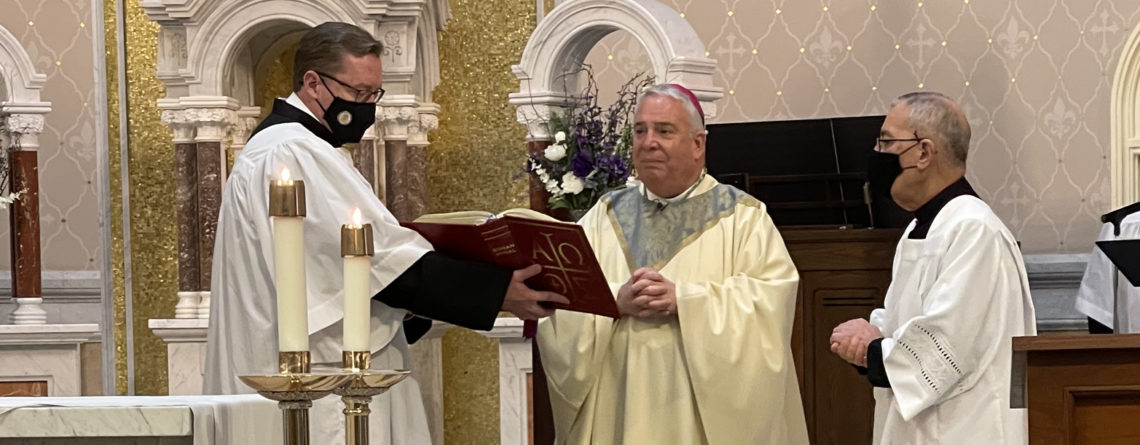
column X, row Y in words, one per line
column 212, row 126
column 539, row 197
column 416, row 162
column 22, row 132
column 186, row 209
column 364, row 158
column 399, row 161
column 538, row 137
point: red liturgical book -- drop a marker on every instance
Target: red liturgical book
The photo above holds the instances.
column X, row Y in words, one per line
column 569, row 266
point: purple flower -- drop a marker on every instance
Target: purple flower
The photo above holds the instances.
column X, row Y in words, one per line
column 615, row 166
column 582, row 164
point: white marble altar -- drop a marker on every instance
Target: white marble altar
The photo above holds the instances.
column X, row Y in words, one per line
column 427, row 370
column 197, row 420
column 515, row 367
column 46, row 353
column 185, row 352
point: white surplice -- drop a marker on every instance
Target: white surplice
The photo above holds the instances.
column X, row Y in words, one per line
column 1095, row 296
column 956, row 300
column 242, row 337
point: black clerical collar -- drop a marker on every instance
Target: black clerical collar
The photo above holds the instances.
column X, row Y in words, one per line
column 924, row 216
column 284, row 113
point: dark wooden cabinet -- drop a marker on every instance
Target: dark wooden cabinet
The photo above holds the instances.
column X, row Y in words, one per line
column 1079, row 389
column 844, row 274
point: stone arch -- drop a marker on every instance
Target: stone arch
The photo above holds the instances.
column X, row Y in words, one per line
column 1125, row 156
column 564, row 38
column 230, row 30
column 21, row 84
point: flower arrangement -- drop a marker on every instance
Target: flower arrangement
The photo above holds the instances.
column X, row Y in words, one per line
column 591, row 151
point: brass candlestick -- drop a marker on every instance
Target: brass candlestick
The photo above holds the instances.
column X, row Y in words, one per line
column 295, row 388
column 357, row 395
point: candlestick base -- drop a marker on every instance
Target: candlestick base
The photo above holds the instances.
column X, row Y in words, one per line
column 294, row 394
column 357, row 396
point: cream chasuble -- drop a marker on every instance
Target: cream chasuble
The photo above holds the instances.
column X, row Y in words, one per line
column 242, row 337
column 721, row 370
column 956, row 300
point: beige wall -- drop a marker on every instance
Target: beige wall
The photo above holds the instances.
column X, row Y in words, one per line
column 1039, row 79
column 57, row 35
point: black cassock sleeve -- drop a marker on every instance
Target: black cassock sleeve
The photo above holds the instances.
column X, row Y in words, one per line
column 875, row 371
column 464, row 293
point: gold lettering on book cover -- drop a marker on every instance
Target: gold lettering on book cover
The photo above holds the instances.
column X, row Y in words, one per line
column 562, row 263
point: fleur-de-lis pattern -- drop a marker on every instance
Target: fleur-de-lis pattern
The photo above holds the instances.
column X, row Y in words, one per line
column 1034, row 78
column 1061, row 119
column 58, row 38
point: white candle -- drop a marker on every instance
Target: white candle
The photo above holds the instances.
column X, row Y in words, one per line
column 356, row 247
column 287, row 209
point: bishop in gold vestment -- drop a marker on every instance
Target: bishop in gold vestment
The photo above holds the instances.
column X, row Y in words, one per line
column 707, row 292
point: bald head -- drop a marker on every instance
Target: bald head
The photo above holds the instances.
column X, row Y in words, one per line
column 936, row 116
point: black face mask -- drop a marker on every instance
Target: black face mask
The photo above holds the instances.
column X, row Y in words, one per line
column 883, row 169
column 348, row 120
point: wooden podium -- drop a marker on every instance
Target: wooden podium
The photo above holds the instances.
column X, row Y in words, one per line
column 1080, row 389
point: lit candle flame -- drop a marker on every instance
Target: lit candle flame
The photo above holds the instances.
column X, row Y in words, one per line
column 357, row 219
column 285, row 178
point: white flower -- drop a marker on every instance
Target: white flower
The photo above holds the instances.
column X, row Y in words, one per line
column 552, row 187
column 572, row 185
column 7, row 200
column 555, row 152
column 559, row 137
column 632, row 182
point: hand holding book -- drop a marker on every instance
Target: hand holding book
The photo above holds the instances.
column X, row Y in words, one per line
column 527, row 303
column 568, row 264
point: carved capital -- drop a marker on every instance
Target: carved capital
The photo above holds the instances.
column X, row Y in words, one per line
column 396, row 121
column 537, row 121
column 418, row 130
column 180, row 123
column 211, row 123
column 23, row 124
column 21, row 131
column 245, row 123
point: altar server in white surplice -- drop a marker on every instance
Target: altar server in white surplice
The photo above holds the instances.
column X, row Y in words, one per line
column 707, row 294
column 938, row 352
column 337, row 80
column 1095, row 296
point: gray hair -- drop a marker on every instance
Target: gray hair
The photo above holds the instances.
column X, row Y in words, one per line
column 936, row 116
column 696, row 121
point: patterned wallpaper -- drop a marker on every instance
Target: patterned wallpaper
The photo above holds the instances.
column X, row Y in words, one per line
column 58, row 38
column 1034, row 77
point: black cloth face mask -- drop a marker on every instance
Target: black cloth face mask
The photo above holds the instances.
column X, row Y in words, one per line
column 883, row 169
column 348, row 120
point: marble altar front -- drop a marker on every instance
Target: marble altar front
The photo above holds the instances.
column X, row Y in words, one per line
column 183, row 420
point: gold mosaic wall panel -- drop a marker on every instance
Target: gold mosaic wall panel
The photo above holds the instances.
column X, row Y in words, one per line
column 154, row 272
column 475, row 161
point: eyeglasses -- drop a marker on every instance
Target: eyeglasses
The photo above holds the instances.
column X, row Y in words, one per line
column 881, row 144
column 358, row 94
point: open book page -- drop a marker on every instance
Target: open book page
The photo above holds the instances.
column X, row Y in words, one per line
column 468, row 217
column 476, row 217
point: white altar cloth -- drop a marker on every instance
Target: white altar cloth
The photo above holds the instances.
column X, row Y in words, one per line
column 210, row 420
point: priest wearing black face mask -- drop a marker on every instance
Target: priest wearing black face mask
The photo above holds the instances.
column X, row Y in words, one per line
column 337, row 83
column 938, row 352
